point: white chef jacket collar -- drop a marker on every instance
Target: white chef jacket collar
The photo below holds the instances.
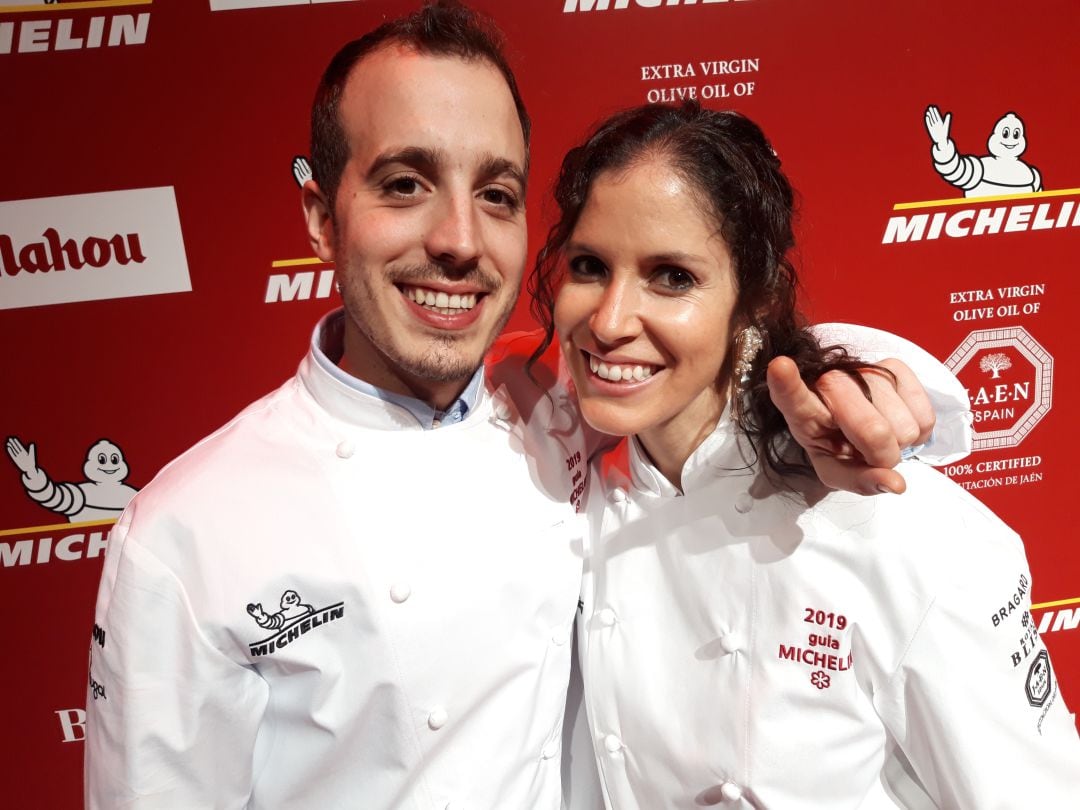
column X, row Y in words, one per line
column 717, row 454
column 357, row 407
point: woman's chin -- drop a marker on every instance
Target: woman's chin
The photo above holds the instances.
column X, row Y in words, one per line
column 610, row 418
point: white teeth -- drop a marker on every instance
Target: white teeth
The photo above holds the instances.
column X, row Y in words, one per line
column 441, row 302
column 616, row 373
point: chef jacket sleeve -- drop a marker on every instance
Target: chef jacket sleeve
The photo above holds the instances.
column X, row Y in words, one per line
column 171, row 720
column 974, row 703
column 951, row 439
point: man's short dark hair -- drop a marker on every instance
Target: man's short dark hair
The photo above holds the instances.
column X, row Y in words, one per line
column 442, row 28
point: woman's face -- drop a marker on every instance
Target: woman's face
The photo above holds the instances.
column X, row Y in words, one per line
column 644, row 314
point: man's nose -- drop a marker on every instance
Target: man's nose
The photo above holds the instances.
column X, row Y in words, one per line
column 454, row 237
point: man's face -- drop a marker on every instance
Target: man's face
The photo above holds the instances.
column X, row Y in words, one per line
column 428, row 231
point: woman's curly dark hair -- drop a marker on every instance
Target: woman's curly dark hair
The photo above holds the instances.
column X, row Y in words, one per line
column 727, row 159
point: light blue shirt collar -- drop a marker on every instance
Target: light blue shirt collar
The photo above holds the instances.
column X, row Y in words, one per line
column 327, row 346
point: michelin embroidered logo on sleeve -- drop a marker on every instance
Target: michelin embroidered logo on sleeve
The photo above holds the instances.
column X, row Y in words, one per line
column 295, row 619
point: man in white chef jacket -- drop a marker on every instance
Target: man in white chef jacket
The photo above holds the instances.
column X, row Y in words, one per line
column 360, row 592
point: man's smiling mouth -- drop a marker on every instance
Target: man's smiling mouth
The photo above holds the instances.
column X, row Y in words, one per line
column 439, row 301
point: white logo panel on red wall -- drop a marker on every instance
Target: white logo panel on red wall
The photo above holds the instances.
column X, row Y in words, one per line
column 90, row 247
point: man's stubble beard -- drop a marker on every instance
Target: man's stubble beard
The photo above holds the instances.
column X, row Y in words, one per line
column 440, row 363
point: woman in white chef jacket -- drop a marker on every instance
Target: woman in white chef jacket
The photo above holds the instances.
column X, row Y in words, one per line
column 748, row 638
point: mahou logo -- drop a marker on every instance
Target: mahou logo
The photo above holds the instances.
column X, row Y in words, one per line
column 89, row 247
column 53, row 254
column 1009, row 380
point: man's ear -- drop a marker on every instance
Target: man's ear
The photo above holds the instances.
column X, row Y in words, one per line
column 320, row 224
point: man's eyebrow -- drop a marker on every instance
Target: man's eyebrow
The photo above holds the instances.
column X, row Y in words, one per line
column 427, row 161
column 417, row 157
column 492, row 167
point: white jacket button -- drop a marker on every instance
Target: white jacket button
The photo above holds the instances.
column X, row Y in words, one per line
column 730, row 792
column 618, row 495
column 345, row 449
column 744, row 502
column 607, row 617
column 730, row 642
column 502, row 410
column 560, row 636
column 612, row 744
column 400, row 591
column 437, row 719
column 550, row 749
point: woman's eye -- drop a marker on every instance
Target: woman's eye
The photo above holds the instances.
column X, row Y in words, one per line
column 586, row 267
column 675, row 278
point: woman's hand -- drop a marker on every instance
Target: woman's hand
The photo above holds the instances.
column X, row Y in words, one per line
column 854, row 442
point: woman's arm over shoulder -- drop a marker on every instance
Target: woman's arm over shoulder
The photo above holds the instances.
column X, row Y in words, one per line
column 975, row 703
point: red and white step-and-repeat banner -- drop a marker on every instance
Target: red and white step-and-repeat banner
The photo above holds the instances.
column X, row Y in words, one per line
column 155, row 276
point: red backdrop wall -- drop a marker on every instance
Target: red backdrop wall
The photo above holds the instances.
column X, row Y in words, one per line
column 156, row 277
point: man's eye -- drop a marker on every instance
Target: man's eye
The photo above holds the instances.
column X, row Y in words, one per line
column 403, row 186
column 586, row 268
column 500, row 197
column 675, row 278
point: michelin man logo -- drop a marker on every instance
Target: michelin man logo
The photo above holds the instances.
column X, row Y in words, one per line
column 301, row 170
column 291, row 608
column 101, row 496
column 1002, row 172
column 295, row 619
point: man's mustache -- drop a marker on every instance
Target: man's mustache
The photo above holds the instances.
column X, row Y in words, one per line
column 416, row 275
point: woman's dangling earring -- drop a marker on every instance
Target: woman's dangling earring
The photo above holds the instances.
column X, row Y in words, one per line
column 747, row 345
